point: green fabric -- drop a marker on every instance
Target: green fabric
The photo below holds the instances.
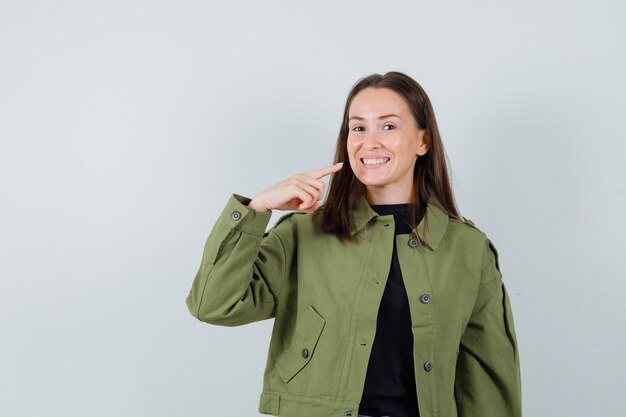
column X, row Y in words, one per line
column 324, row 295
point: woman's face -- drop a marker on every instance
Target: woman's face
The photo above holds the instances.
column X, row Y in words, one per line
column 383, row 144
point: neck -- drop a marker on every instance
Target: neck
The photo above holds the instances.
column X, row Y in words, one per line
column 382, row 196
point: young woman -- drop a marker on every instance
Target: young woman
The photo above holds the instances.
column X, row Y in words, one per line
column 387, row 302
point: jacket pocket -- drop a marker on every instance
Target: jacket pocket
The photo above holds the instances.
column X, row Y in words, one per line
column 307, row 333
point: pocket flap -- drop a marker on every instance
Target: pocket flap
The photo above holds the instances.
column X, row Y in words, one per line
column 307, row 333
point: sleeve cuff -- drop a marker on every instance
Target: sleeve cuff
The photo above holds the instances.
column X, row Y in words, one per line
column 238, row 215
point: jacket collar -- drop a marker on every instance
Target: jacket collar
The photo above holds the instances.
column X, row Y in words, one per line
column 437, row 220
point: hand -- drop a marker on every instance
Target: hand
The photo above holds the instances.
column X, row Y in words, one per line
column 299, row 192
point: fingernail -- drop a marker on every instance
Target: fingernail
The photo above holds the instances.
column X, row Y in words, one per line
column 339, row 163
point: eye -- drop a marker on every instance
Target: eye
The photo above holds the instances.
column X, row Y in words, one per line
column 357, row 127
column 392, row 126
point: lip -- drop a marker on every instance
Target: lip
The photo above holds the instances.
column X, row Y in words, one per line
column 377, row 166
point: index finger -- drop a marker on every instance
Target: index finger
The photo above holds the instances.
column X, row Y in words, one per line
column 322, row 172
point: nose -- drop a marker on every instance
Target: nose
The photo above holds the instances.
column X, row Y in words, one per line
column 371, row 140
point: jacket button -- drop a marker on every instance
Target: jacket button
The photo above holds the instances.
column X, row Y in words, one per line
column 425, row 298
column 235, row 215
column 412, row 242
column 428, row 366
column 305, row 353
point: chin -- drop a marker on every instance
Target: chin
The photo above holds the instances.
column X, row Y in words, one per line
column 373, row 183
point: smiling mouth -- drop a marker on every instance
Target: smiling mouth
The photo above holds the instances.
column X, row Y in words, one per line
column 374, row 162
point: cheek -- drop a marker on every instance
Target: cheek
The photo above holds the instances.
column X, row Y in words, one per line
column 402, row 148
column 351, row 146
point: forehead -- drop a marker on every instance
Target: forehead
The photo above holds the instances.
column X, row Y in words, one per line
column 372, row 102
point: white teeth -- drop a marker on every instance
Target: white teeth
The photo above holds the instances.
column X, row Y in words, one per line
column 375, row 161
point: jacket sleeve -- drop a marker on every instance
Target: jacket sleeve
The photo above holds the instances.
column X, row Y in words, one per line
column 488, row 382
column 242, row 270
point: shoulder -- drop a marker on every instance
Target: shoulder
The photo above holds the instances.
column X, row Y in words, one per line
column 482, row 238
column 466, row 227
column 288, row 219
column 287, row 225
column 300, row 230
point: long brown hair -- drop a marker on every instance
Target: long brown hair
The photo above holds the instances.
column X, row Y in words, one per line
column 430, row 175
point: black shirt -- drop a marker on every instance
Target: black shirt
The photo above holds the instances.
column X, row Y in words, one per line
column 390, row 380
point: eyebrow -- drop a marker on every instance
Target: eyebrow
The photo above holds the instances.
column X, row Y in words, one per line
column 380, row 118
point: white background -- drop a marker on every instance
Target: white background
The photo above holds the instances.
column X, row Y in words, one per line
column 126, row 125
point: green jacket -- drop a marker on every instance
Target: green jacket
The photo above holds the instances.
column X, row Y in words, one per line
column 324, row 294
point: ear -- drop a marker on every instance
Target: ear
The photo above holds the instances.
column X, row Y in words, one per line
column 423, row 143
